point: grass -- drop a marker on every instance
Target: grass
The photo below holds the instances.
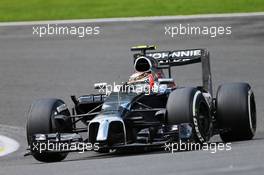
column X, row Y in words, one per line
column 30, row 10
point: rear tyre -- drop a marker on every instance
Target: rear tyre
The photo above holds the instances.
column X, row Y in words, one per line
column 41, row 121
column 188, row 105
column 236, row 112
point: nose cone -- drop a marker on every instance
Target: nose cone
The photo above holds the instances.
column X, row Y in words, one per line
column 103, row 130
column 106, row 127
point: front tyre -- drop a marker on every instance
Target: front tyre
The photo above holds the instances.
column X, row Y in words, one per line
column 41, row 121
column 236, row 112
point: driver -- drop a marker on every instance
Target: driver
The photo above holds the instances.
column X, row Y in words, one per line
column 149, row 78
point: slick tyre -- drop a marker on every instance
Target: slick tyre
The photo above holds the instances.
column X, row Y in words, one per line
column 236, row 112
column 41, row 121
column 188, row 105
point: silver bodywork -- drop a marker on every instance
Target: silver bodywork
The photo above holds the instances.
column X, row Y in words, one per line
column 104, row 124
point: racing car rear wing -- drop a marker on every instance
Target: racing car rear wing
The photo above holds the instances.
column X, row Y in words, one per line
column 177, row 58
column 168, row 59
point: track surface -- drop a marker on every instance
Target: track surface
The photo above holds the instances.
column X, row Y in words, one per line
column 32, row 68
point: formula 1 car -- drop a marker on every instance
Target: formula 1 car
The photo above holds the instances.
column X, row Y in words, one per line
column 160, row 113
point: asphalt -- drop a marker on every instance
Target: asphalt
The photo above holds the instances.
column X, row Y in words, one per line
column 59, row 66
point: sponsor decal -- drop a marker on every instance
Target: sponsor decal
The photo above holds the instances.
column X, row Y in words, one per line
column 175, row 54
column 61, row 108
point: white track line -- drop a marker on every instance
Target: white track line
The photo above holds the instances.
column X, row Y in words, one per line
column 7, row 145
column 154, row 18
